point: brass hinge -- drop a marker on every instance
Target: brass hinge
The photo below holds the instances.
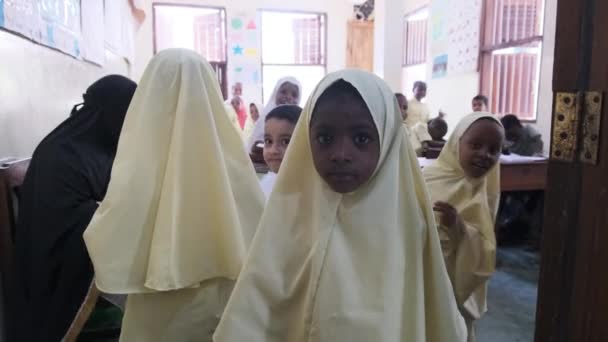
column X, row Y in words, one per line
column 566, row 120
column 592, row 118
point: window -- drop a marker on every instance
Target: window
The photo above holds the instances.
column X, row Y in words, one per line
column 415, row 26
column 293, row 44
column 202, row 29
column 511, row 52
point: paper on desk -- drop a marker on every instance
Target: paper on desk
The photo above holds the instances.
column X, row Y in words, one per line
column 425, row 162
column 517, row 159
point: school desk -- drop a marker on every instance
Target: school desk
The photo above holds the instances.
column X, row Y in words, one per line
column 517, row 173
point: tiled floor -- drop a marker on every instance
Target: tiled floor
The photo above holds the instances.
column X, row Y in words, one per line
column 511, row 298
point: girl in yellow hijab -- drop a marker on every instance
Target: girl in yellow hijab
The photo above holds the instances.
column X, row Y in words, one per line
column 464, row 184
column 347, row 248
column 181, row 208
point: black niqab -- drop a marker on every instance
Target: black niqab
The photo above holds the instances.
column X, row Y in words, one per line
column 68, row 176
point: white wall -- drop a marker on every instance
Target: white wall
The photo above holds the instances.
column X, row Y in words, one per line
column 545, row 94
column 38, row 87
column 338, row 12
column 414, row 5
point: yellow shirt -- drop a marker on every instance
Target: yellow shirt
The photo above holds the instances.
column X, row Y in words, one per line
column 419, row 134
column 181, row 208
column 417, row 112
column 358, row 267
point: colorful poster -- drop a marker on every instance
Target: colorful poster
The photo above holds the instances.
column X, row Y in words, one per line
column 55, row 23
column 440, row 66
column 244, row 57
column 439, row 21
column 455, row 35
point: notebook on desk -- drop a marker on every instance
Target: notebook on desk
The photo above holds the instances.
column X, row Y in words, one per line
column 517, row 159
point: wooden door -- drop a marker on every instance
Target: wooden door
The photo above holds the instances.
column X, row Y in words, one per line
column 360, row 45
column 573, row 285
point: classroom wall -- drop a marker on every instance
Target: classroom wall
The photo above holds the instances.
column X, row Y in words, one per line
column 38, row 87
column 338, row 12
column 452, row 94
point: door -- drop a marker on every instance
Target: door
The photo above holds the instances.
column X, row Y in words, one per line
column 360, row 45
column 573, row 284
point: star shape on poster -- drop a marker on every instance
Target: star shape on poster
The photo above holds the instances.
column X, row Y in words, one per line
column 237, row 50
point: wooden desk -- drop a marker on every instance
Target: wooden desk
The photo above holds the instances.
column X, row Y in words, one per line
column 523, row 177
column 517, row 176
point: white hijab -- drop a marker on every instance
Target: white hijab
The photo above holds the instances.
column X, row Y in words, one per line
column 258, row 130
column 361, row 267
column 183, row 200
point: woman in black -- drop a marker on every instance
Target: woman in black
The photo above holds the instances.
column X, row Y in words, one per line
column 67, row 177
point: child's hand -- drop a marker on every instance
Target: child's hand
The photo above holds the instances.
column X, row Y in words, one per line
column 449, row 214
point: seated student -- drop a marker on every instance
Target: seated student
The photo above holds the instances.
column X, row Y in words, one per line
column 480, row 103
column 239, row 108
column 419, row 138
column 464, row 184
column 417, row 111
column 331, row 261
column 522, row 140
column 437, row 129
column 252, row 118
column 402, row 101
column 67, row 177
column 173, row 230
column 287, row 91
column 280, row 123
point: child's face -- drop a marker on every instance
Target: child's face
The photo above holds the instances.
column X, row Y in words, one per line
column 480, row 148
column 236, row 104
column 277, row 134
column 478, row 106
column 288, row 94
column 437, row 130
column 253, row 111
column 345, row 143
column 420, row 92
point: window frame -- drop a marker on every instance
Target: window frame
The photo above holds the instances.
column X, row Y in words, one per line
column 404, row 40
column 221, row 67
column 322, row 46
column 487, row 50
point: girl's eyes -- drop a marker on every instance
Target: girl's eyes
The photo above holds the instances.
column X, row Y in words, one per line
column 362, row 139
column 285, row 141
column 324, row 139
column 267, row 141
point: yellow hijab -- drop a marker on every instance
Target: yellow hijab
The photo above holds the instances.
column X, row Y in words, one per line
column 477, row 203
column 183, row 200
column 365, row 266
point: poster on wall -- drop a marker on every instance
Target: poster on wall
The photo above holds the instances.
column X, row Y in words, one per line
column 54, row 23
column 244, row 56
column 93, row 47
column 464, row 35
column 455, row 34
column 439, row 22
column 440, row 66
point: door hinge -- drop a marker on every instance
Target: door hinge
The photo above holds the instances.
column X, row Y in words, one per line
column 565, row 125
column 572, row 110
column 592, row 117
